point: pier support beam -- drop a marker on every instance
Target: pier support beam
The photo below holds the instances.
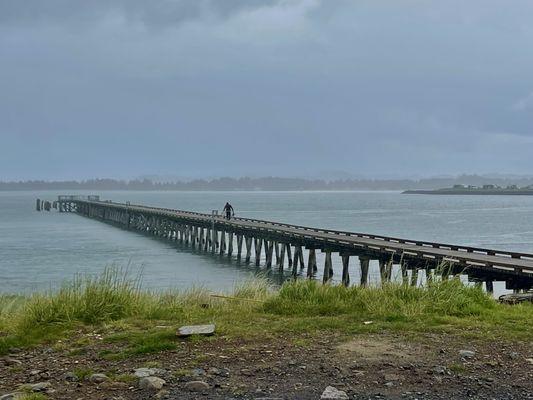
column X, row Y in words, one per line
column 269, row 250
column 383, row 271
column 328, row 267
column 248, row 249
column 230, row 244
column 239, row 246
column 345, row 270
column 311, row 263
column 281, row 261
column 414, row 277
column 258, row 243
column 365, row 265
column 289, row 254
column 222, row 246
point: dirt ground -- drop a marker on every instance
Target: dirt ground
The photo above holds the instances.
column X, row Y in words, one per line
column 380, row 366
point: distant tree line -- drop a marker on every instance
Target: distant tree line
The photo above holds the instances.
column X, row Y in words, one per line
column 266, row 183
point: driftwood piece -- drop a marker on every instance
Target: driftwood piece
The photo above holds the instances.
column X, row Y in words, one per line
column 516, row 298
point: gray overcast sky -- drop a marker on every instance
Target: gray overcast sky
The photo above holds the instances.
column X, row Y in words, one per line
column 121, row 88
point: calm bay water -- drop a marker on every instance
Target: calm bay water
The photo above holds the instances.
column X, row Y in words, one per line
column 40, row 250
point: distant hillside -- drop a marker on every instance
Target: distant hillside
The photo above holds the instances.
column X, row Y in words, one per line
column 266, row 183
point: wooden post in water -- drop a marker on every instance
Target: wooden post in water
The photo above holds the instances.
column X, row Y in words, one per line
column 365, row 264
column 429, row 274
column 328, row 268
column 214, row 240
column 265, row 244
column 311, row 261
column 207, row 239
column 202, row 239
column 296, row 257
column 289, row 255
column 345, row 271
column 383, row 270
column 230, row 244
column 248, row 249
column 414, row 277
column 281, row 263
column 222, row 246
column 405, row 276
column 270, row 249
column 301, row 257
column 258, row 243
column 294, row 261
column 239, row 246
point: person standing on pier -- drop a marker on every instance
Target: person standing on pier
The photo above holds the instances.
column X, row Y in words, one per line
column 228, row 209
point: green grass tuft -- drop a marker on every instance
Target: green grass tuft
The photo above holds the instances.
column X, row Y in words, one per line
column 145, row 322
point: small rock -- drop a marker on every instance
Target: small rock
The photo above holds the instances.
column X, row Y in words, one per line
column 12, row 396
column 14, row 350
column 12, row 361
column 98, row 378
column 467, row 353
column 389, row 384
column 162, row 394
column 513, row 355
column 196, row 386
column 330, row 393
column 529, row 361
column 197, row 372
column 439, row 370
column 196, row 330
column 71, row 377
column 40, row 387
column 35, row 372
column 151, row 383
column 145, row 372
column 392, row 377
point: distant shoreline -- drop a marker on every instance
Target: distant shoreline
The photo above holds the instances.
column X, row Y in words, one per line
column 475, row 192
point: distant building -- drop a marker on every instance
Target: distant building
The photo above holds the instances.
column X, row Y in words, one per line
column 488, row 187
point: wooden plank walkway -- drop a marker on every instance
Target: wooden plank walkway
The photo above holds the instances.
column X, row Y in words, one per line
column 204, row 230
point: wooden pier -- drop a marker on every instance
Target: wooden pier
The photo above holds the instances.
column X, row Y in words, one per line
column 295, row 247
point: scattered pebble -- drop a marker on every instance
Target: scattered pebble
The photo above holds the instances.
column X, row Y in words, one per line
column 196, row 386
column 331, row 393
column 439, row 370
column 12, row 396
column 145, row 372
column 39, row 387
column 467, row 353
column 12, row 361
column 71, row 377
column 98, row 378
column 162, row 394
column 151, row 383
column 196, row 330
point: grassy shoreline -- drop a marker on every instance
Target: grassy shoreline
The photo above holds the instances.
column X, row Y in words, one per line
column 115, row 303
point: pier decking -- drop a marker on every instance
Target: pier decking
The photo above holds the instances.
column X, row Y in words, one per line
column 288, row 243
